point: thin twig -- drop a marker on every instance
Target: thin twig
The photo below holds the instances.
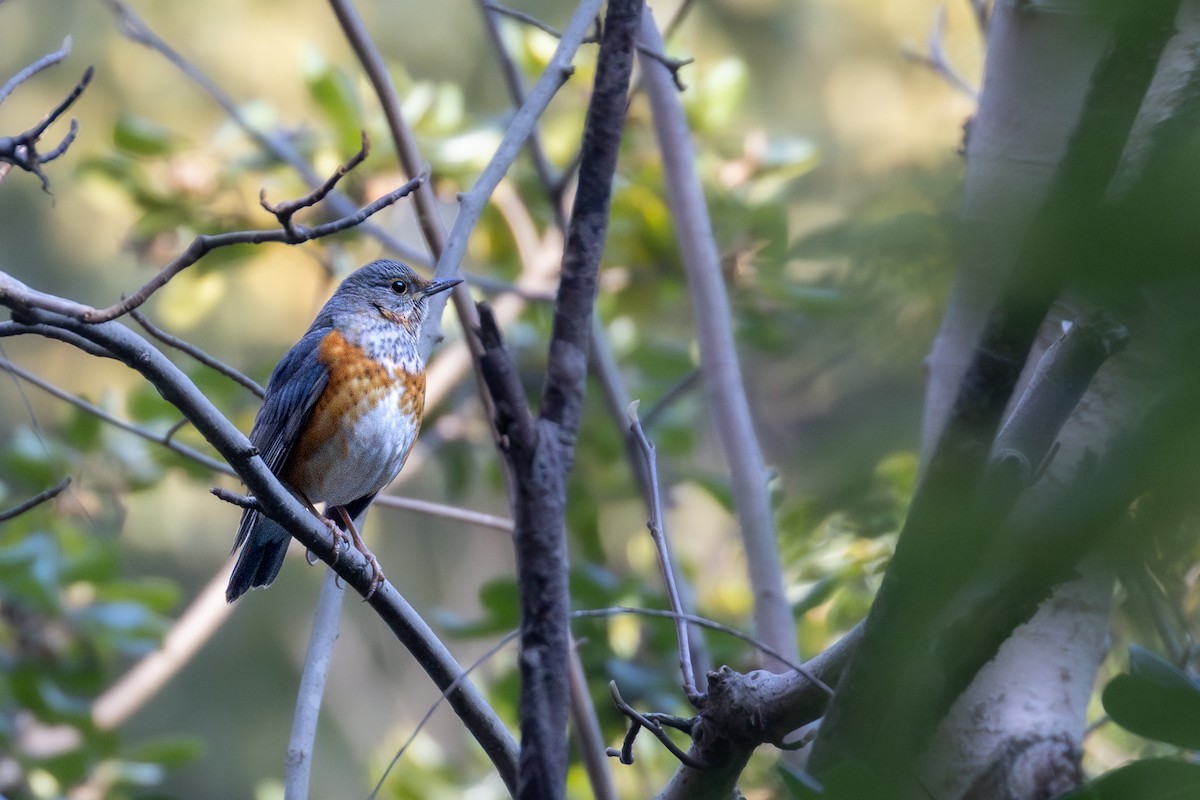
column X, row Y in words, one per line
column 425, row 201
column 298, row 763
column 235, row 499
column 705, row 622
column 96, row 411
column 516, row 91
column 657, row 526
column 473, row 202
column 48, row 60
column 530, row 20
column 672, row 64
column 483, row 659
column 285, row 210
column 36, row 500
column 638, row 721
column 203, row 244
column 670, row 397
column 212, row 362
column 21, row 150
column 444, row 511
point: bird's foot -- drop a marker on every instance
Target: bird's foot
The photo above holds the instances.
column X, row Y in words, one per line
column 361, row 546
column 340, row 539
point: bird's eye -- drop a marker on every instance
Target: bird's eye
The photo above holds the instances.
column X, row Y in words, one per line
column 400, row 287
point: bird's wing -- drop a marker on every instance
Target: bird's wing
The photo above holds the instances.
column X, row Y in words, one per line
column 292, row 391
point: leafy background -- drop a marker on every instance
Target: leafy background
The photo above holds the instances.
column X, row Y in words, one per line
column 832, row 169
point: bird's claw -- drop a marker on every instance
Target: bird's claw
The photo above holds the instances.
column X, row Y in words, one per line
column 340, row 539
column 361, row 546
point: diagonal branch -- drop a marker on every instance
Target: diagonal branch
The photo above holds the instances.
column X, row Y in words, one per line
column 177, row 389
column 48, row 60
column 35, row 501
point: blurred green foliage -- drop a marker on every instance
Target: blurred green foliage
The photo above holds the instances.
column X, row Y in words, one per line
column 830, row 170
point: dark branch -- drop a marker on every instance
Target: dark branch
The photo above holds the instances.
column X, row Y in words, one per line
column 36, row 500
column 276, row 501
column 654, row 724
column 539, row 453
column 285, row 210
column 21, row 150
column 233, row 498
column 195, row 352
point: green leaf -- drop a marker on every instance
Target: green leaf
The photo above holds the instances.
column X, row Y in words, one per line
column 334, row 92
column 1156, row 700
column 1148, row 779
column 501, row 611
column 169, row 751
column 143, row 136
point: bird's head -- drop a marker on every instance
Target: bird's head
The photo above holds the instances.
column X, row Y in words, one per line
column 391, row 290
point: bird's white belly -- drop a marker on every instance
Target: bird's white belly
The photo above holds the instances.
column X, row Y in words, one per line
column 365, row 455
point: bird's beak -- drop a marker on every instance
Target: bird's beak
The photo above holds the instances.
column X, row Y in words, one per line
column 440, row 286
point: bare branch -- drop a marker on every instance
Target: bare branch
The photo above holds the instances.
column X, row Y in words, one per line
column 21, row 150
column 532, row 21
column 672, row 64
column 428, row 214
column 195, row 352
column 48, row 60
column 718, row 355
column 652, row 723
column 483, row 659
column 35, row 501
column 516, row 90
column 444, row 511
column 235, row 499
column 285, row 210
column 539, row 452
column 298, row 762
column 656, row 524
column 279, row 503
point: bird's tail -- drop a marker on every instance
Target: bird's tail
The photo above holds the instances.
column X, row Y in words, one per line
column 264, row 543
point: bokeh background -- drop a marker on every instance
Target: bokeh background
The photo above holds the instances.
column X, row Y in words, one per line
column 830, row 158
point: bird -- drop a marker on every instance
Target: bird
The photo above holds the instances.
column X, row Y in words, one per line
column 341, row 412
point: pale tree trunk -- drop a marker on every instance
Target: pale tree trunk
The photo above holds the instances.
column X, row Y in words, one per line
column 1016, row 733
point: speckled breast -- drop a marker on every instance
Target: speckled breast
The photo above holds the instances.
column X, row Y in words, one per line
column 360, row 430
